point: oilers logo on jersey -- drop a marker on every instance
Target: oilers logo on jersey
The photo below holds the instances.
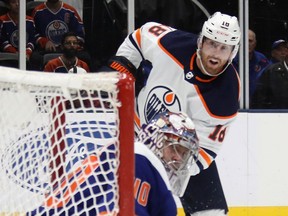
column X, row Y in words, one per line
column 14, row 38
column 55, row 30
column 160, row 99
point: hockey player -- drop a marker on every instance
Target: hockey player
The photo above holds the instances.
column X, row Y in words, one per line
column 164, row 150
column 193, row 74
column 169, row 139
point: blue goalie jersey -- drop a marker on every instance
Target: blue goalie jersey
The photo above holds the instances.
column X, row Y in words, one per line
column 151, row 187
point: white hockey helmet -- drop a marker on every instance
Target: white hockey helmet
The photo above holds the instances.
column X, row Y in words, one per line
column 223, row 29
column 176, row 131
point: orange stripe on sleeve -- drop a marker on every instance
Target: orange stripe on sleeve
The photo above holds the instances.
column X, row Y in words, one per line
column 205, row 156
column 138, row 37
column 136, row 120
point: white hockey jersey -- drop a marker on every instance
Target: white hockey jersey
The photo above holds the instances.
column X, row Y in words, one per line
column 175, row 83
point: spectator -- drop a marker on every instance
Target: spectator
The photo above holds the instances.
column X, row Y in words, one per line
column 52, row 19
column 257, row 62
column 278, row 51
column 68, row 60
column 9, row 39
column 272, row 87
column 77, row 4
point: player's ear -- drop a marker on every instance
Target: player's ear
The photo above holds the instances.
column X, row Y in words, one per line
column 234, row 52
column 200, row 41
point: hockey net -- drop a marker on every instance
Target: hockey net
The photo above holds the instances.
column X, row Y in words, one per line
column 66, row 143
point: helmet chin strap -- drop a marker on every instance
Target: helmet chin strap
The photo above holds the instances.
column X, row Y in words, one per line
column 205, row 71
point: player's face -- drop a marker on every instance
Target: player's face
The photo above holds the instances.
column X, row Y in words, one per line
column 175, row 155
column 214, row 55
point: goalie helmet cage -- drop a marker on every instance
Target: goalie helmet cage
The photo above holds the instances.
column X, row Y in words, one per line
column 66, row 143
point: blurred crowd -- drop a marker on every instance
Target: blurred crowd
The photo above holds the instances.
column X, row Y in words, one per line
column 56, row 37
column 268, row 76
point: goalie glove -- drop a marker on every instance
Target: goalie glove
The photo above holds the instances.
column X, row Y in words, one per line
column 123, row 65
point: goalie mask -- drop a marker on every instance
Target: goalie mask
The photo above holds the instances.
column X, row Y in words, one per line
column 173, row 139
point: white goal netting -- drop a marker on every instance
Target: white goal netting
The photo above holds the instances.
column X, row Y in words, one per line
column 60, row 143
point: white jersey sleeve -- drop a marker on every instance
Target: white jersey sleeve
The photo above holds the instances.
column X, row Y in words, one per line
column 138, row 45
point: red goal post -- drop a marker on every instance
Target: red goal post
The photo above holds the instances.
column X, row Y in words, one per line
column 126, row 96
column 84, row 164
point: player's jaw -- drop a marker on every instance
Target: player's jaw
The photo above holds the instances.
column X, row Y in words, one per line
column 213, row 57
column 213, row 65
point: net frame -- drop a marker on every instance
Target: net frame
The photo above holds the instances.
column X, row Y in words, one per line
column 125, row 85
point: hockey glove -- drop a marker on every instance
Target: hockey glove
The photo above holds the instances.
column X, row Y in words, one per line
column 122, row 64
column 142, row 75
